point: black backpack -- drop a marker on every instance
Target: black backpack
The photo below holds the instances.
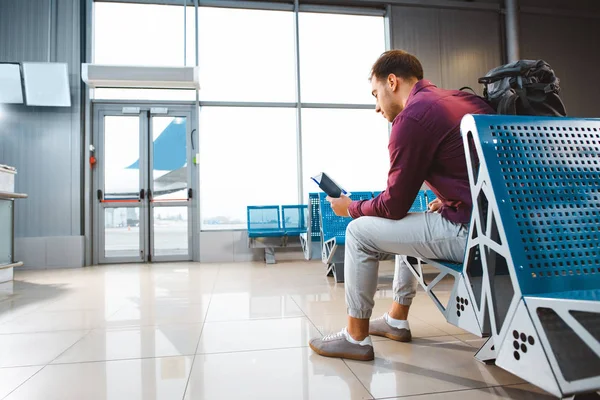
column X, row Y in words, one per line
column 524, row 87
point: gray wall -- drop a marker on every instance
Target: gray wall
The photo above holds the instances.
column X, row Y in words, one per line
column 569, row 45
column 44, row 143
column 582, row 5
column 456, row 47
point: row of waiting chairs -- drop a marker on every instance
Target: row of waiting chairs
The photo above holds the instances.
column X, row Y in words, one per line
column 270, row 227
column 424, row 197
column 330, row 229
column 530, row 280
column 275, row 221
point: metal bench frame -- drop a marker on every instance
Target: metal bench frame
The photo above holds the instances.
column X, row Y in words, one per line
column 542, row 318
column 536, row 195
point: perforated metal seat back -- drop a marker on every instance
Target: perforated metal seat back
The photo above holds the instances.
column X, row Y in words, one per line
column 315, row 219
column 545, row 175
column 332, row 225
column 430, row 195
column 420, row 203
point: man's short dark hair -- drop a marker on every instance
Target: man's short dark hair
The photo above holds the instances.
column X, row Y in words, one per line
column 399, row 63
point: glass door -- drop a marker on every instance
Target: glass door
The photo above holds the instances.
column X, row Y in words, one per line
column 170, row 192
column 142, row 183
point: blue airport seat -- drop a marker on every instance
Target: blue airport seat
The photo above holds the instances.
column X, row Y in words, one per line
column 315, row 219
column 535, row 229
column 429, row 196
column 420, row 203
column 294, row 219
column 333, row 231
column 458, row 267
column 545, row 179
column 585, row 295
column 264, row 221
column 333, row 226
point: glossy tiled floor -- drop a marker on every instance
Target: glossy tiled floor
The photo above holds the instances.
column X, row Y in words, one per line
column 220, row 331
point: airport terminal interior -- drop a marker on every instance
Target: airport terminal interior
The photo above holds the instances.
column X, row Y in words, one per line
column 166, row 230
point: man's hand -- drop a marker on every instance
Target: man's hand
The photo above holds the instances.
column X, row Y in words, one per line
column 340, row 206
column 435, row 205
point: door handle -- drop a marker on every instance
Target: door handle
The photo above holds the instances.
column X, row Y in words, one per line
column 100, row 195
column 190, row 193
column 149, row 195
column 142, row 194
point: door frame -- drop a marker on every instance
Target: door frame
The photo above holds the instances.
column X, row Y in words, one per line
column 103, row 108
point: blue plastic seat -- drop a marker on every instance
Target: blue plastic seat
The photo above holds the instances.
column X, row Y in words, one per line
column 264, row 221
column 420, row 203
column 544, row 175
column 294, row 218
column 430, row 196
column 265, row 233
column 333, row 226
column 586, row 295
column 533, row 255
column 333, row 230
column 458, row 267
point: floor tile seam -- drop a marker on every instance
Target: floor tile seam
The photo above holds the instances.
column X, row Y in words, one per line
column 306, row 315
column 119, row 359
column 251, row 350
column 45, row 366
column 358, row 379
column 52, row 363
column 187, row 383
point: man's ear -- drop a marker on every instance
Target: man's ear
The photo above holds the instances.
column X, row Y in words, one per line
column 393, row 82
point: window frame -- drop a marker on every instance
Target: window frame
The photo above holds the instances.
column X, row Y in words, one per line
column 298, row 105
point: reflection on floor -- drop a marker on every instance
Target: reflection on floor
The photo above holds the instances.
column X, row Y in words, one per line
column 221, row 331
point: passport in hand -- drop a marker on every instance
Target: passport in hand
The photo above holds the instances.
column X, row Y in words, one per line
column 327, row 185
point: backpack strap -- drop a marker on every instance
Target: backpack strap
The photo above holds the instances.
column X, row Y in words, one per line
column 522, row 95
column 508, row 104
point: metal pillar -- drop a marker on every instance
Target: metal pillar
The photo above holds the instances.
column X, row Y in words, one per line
column 299, row 161
column 512, row 30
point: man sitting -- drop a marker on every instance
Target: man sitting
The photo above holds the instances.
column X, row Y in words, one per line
column 425, row 146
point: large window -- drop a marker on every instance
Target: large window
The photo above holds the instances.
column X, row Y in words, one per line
column 250, row 68
column 336, row 55
column 350, row 145
column 136, row 34
column 247, row 157
column 246, row 55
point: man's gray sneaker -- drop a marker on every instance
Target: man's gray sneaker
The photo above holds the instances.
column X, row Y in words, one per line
column 338, row 345
column 380, row 327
